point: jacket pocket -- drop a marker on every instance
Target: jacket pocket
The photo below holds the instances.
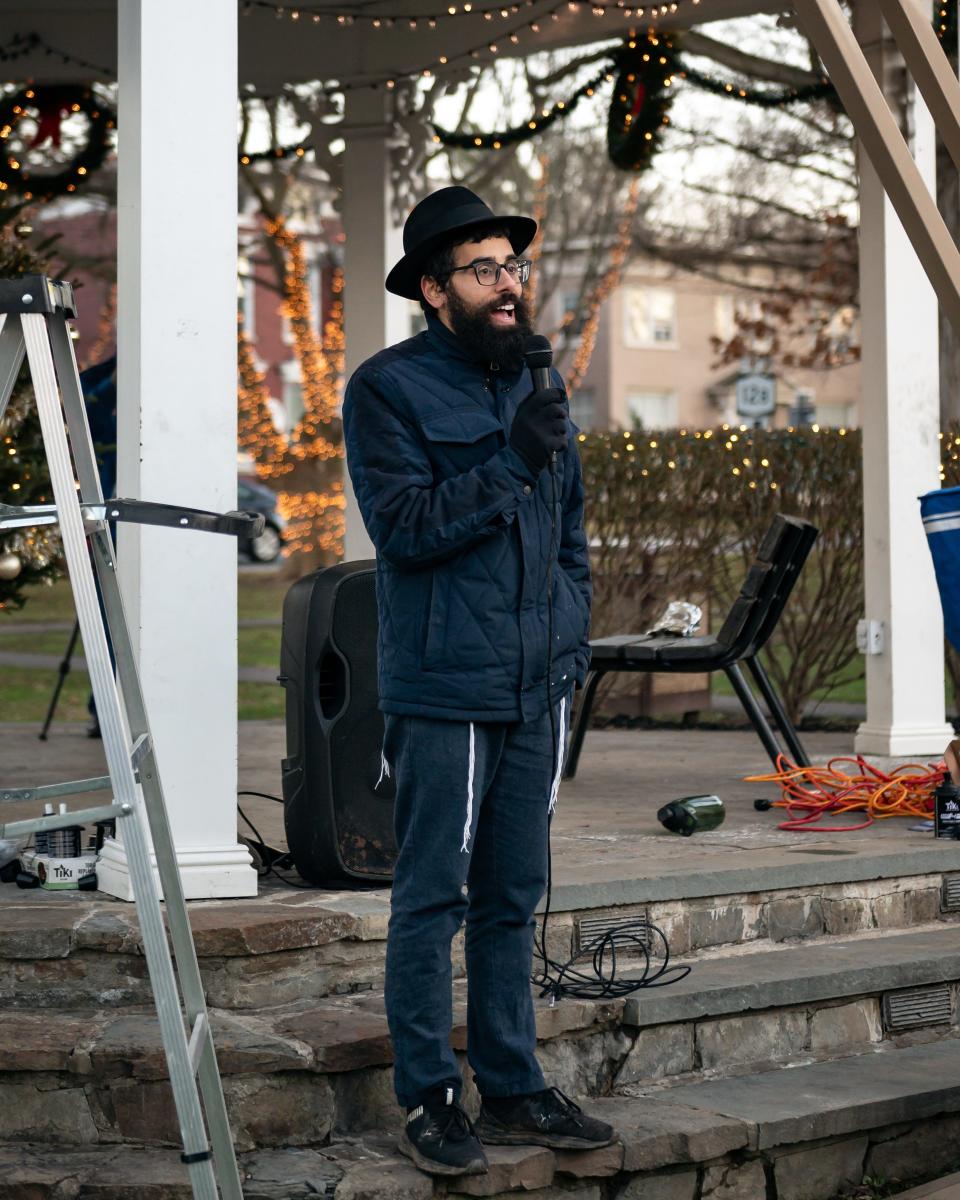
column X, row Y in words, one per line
column 434, row 650
column 459, row 440
column 571, row 617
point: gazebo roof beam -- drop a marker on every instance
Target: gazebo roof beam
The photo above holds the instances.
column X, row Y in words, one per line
column 274, row 52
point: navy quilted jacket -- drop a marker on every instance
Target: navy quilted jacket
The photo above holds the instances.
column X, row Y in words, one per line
column 462, row 531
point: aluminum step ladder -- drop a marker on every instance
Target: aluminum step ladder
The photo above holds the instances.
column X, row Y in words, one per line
column 34, row 311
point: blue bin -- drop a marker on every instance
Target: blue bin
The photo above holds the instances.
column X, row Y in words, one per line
column 941, row 523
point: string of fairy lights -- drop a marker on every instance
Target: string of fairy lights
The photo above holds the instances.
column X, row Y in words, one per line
column 514, row 21
column 413, row 20
column 609, row 281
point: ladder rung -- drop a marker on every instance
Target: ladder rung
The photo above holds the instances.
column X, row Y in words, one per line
column 82, row 816
column 50, row 791
column 198, row 1038
column 24, row 516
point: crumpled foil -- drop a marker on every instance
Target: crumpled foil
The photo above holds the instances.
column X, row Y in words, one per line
column 681, row 619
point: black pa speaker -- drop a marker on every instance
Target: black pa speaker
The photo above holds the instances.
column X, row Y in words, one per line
column 337, row 802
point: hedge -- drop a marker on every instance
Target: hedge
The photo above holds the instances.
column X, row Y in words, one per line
column 680, row 514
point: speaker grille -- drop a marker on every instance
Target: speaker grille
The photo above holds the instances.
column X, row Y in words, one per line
column 909, row 1010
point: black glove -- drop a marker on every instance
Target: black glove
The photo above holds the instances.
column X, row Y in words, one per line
column 540, row 428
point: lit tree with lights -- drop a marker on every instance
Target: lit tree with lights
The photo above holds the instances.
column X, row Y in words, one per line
column 306, row 468
column 30, row 556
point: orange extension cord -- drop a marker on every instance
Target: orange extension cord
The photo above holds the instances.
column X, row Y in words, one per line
column 817, row 791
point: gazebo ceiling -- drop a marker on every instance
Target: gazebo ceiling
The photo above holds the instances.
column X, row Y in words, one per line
column 276, row 48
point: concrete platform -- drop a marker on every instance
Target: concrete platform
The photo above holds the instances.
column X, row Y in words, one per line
column 795, row 939
column 608, row 847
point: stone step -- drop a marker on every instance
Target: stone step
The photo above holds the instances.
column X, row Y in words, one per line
column 326, row 1064
column 947, row 1188
column 292, row 1074
column 826, row 999
column 809, row 1133
column 82, row 951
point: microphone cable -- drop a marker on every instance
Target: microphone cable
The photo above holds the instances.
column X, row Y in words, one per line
column 640, row 938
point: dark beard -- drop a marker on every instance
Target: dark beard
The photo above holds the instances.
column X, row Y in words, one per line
column 484, row 341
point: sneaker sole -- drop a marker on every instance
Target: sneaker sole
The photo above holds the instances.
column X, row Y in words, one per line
column 430, row 1165
column 553, row 1141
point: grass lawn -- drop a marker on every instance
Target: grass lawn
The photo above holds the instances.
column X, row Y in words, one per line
column 25, row 692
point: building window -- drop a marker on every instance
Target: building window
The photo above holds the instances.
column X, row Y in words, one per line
column 246, row 291
column 652, row 410
column 834, row 416
column 724, row 319
column 583, row 408
column 570, row 303
column 649, row 318
column 293, row 403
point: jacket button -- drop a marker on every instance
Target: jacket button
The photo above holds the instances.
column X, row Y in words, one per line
column 527, row 489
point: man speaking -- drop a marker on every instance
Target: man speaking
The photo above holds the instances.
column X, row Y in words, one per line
column 470, row 489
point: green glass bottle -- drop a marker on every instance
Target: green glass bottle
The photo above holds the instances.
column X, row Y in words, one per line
column 692, row 814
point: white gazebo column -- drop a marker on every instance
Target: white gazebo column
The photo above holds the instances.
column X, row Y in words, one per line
column 372, row 318
column 177, row 414
column 901, row 455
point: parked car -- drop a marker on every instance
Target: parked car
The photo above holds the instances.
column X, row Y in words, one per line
column 253, row 496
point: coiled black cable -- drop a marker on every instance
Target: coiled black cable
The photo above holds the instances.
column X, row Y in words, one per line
column 557, row 980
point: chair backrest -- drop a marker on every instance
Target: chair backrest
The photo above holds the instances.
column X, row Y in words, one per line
column 767, row 587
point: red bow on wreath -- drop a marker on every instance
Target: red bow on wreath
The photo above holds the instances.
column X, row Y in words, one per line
column 52, row 105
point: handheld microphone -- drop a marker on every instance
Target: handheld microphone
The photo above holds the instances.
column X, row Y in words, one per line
column 538, row 355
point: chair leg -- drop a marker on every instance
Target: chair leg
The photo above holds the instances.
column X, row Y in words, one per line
column 753, row 711
column 581, row 722
column 779, row 713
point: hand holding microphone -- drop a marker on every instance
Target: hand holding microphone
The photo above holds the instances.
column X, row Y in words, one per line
column 539, row 430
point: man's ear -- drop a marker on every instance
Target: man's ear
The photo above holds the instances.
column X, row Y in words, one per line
column 433, row 293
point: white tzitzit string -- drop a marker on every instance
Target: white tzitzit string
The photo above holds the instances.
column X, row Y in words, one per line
column 561, row 740
column 469, row 822
column 384, row 769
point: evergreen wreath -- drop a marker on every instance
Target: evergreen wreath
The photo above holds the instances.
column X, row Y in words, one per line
column 49, row 103
column 641, row 100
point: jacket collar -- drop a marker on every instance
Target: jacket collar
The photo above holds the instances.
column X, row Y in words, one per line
column 448, row 344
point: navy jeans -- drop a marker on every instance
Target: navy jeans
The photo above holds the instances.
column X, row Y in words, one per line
column 472, row 808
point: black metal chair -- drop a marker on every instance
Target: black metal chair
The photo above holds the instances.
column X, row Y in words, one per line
column 748, row 627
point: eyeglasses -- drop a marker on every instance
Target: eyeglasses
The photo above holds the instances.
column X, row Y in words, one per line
column 488, row 271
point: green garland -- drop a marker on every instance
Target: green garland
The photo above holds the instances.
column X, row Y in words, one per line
column 765, row 99
column 298, row 150
column 641, row 101
column 519, row 133
column 48, row 102
column 646, row 71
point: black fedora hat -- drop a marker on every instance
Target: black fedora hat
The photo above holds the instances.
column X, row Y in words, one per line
column 435, row 220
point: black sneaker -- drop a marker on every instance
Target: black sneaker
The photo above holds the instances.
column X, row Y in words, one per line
column 547, row 1118
column 439, row 1137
